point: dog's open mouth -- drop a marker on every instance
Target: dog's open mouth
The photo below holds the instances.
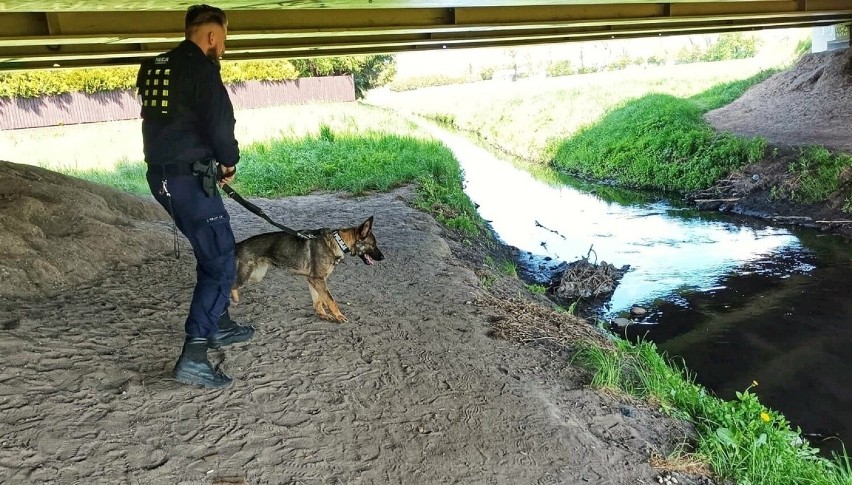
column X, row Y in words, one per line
column 366, row 258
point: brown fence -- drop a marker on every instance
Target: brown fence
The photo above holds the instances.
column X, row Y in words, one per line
column 75, row 108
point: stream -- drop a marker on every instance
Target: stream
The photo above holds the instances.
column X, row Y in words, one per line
column 737, row 299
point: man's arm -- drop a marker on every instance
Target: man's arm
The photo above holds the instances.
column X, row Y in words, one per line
column 217, row 118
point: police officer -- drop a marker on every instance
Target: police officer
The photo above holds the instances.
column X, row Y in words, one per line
column 188, row 138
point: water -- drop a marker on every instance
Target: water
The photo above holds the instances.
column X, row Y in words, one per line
column 737, row 299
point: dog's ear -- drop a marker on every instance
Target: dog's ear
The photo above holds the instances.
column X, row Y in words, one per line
column 365, row 228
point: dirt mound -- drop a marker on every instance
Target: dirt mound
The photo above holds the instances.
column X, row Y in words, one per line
column 58, row 231
column 805, row 105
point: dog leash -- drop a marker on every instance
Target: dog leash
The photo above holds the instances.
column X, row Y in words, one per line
column 259, row 212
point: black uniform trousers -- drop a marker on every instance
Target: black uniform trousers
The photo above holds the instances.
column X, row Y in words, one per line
column 207, row 226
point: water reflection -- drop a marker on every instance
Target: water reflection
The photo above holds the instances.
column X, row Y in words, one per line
column 670, row 250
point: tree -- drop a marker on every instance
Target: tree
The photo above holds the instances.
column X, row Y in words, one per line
column 367, row 71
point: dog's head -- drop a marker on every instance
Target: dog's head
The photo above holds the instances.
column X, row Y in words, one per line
column 365, row 243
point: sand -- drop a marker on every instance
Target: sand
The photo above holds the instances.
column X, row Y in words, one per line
column 414, row 389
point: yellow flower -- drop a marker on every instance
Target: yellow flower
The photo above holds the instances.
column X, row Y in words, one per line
column 765, row 416
column 753, row 383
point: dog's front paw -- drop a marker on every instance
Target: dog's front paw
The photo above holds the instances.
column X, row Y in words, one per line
column 340, row 318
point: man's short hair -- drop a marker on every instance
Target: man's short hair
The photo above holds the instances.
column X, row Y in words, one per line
column 198, row 15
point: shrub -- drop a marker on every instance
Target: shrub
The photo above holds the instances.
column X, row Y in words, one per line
column 728, row 46
column 32, row 84
column 560, row 68
column 368, row 71
column 619, row 64
column 237, row 72
column 425, row 81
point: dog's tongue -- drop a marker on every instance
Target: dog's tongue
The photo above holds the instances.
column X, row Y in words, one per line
column 369, row 259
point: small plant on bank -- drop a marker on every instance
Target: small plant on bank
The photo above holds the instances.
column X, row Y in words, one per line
column 506, row 267
column 487, row 279
column 818, row 173
column 537, row 289
column 740, row 439
column 487, row 275
column 572, row 308
column 509, row 268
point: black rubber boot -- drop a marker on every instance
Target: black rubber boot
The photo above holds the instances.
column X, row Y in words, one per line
column 230, row 332
column 193, row 367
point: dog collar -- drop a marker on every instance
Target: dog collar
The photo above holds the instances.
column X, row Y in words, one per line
column 340, row 242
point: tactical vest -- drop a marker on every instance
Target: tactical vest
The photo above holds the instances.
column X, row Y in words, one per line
column 154, row 88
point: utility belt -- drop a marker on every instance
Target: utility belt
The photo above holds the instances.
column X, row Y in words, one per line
column 207, row 172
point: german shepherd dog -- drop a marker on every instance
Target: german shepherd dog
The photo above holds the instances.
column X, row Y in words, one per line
column 313, row 258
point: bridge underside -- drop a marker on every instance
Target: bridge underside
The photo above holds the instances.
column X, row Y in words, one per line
column 114, row 32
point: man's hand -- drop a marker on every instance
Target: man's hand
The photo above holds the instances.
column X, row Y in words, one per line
column 227, row 174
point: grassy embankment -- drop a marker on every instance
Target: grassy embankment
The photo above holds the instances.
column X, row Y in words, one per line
column 353, row 160
column 618, row 127
column 739, row 439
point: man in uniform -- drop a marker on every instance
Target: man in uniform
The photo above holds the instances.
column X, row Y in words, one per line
column 190, row 148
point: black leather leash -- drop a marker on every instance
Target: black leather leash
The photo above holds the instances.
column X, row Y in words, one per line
column 259, row 212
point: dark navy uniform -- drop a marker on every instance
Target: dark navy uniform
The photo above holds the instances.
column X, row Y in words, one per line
column 188, row 117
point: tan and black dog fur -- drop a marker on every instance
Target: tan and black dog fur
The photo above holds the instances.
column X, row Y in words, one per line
column 313, row 258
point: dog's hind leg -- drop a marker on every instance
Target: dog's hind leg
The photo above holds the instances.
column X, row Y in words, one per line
column 323, row 299
column 249, row 272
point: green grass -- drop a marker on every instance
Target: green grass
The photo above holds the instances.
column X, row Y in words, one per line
column 740, row 439
column 523, row 118
column 658, row 141
column 661, row 142
column 623, row 129
column 504, row 266
column 358, row 164
column 818, row 174
column 509, row 268
column 537, row 289
column 726, row 93
column 614, row 128
column 126, row 176
column 351, row 161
